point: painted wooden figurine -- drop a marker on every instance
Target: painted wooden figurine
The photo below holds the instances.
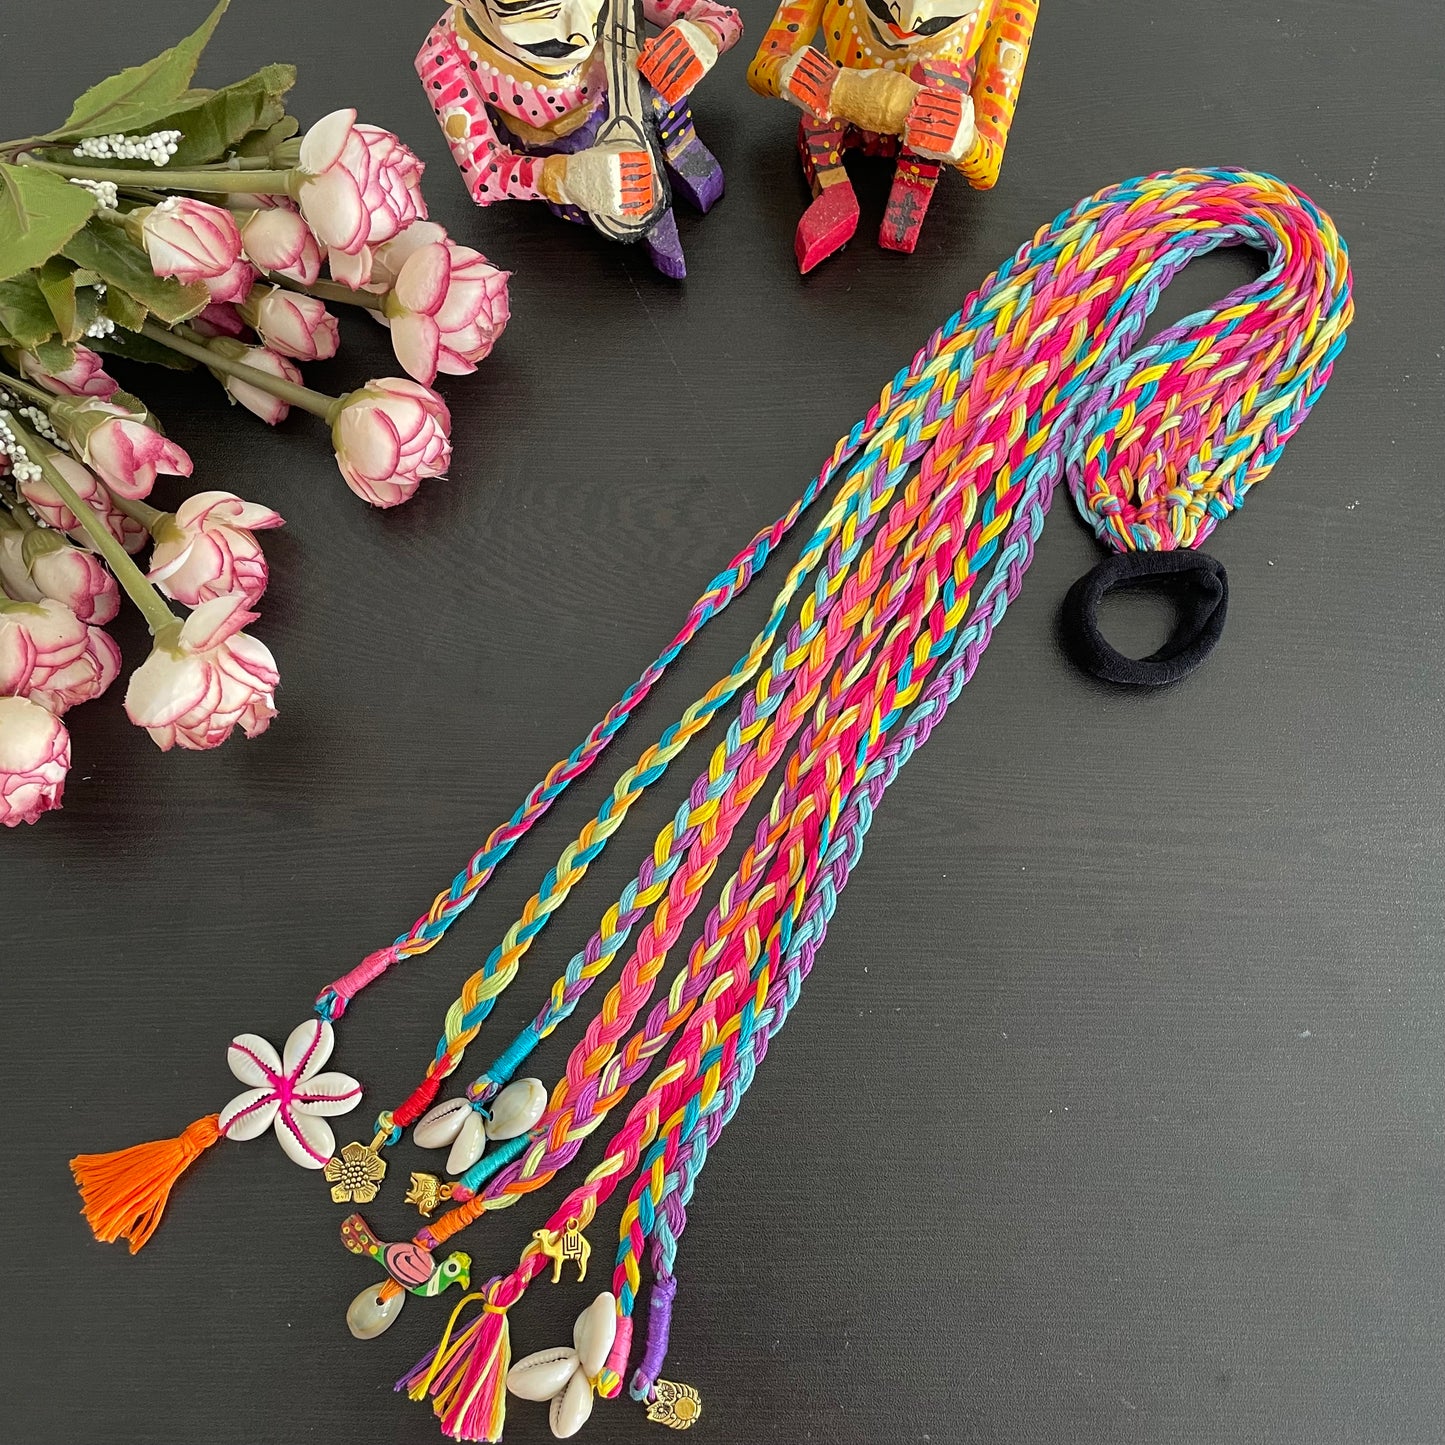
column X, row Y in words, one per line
column 562, row 101
column 932, row 82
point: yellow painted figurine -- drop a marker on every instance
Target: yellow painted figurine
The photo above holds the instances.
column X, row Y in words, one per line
column 932, row 82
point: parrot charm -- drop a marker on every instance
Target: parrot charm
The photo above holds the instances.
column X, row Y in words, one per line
column 410, row 1264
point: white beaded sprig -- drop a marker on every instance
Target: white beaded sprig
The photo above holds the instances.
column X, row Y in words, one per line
column 21, row 467
column 104, row 191
column 157, row 147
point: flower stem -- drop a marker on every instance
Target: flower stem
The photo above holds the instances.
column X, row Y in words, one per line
column 316, row 402
column 138, row 511
column 330, row 291
column 223, row 178
column 42, row 398
column 137, row 587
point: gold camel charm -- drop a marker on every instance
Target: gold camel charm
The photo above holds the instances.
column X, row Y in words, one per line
column 564, row 1244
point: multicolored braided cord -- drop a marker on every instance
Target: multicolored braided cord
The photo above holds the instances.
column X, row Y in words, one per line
column 1040, row 375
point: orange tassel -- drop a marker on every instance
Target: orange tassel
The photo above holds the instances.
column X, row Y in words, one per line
column 125, row 1192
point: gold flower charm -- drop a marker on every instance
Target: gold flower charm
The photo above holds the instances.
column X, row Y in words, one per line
column 676, row 1406
column 355, row 1174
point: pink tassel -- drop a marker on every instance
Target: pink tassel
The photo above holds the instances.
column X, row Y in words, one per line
column 467, row 1376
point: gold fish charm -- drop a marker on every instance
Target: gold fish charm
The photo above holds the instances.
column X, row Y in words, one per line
column 426, row 1192
column 676, row 1406
column 565, row 1244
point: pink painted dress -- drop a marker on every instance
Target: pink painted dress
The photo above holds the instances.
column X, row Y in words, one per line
column 501, row 126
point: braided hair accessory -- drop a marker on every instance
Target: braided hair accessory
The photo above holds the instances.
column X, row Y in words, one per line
column 946, row 484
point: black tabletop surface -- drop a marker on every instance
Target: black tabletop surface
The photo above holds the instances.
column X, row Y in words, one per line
column 1113, row 1109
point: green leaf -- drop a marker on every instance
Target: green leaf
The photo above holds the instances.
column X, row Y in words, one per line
column 124, row 309
column 56, row 279
column 39, row 213
column 210, row 129
column 55, row 355
column 264, row 142
column 105, row 248
column 23, row 311
column 142, row 348
column 143, row 94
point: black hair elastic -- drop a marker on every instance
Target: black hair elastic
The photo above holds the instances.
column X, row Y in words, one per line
column 1196, row 583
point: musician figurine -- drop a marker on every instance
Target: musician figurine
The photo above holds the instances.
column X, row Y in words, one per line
column 562, row 101
column 932, row 82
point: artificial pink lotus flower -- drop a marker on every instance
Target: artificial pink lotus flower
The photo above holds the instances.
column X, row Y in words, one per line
column 194, row 690
column 271, row 409
column 85, row 376
column 293, row 324
column 208, row 549
column 72, row 576
column 233, row 285
column 390, row 436
column 360, row 185
column 276, row 239
column 189, row 239
column 446, row 310
column 84, row 679
column 38, row 641
column 115, row 439
column 34, row 759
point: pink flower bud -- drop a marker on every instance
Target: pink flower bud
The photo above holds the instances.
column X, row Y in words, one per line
column 233, row 285
column 85, row 376
column 277, row 240
column 46, row 502
column 189, row 239
column 295, row 325
column 446, row 310
column 38, row 641
column 390, row 436
column 208, row 549
column 361, row 186
column 353, row 271
column 34, row 759
column 114, row 438
column 84, row 679
column 271, row 409
column 71, row 575
column 196, row 688
column 220, row 318
column 15, row 581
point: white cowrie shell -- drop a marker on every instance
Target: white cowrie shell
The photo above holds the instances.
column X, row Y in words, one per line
column 542, row 1375
column 594, row 1332
column 517, row 1108
column 471, row 1140
column 441, row 1124
column 571, row 1408
column 369, row 1316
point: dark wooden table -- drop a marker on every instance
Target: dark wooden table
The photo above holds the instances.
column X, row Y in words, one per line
column 1113, row 1111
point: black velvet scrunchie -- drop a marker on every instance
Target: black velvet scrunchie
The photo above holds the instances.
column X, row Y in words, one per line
column 1195, row 582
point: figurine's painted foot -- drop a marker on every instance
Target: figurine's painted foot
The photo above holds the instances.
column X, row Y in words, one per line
column 696, row 176
column 827, row 225
column 664, row 249
column 913, row 184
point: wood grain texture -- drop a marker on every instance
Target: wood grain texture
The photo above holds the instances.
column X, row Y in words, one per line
column 1113, row 1110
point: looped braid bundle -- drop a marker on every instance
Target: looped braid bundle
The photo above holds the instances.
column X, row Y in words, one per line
column 941, row 493
column 936, row 499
